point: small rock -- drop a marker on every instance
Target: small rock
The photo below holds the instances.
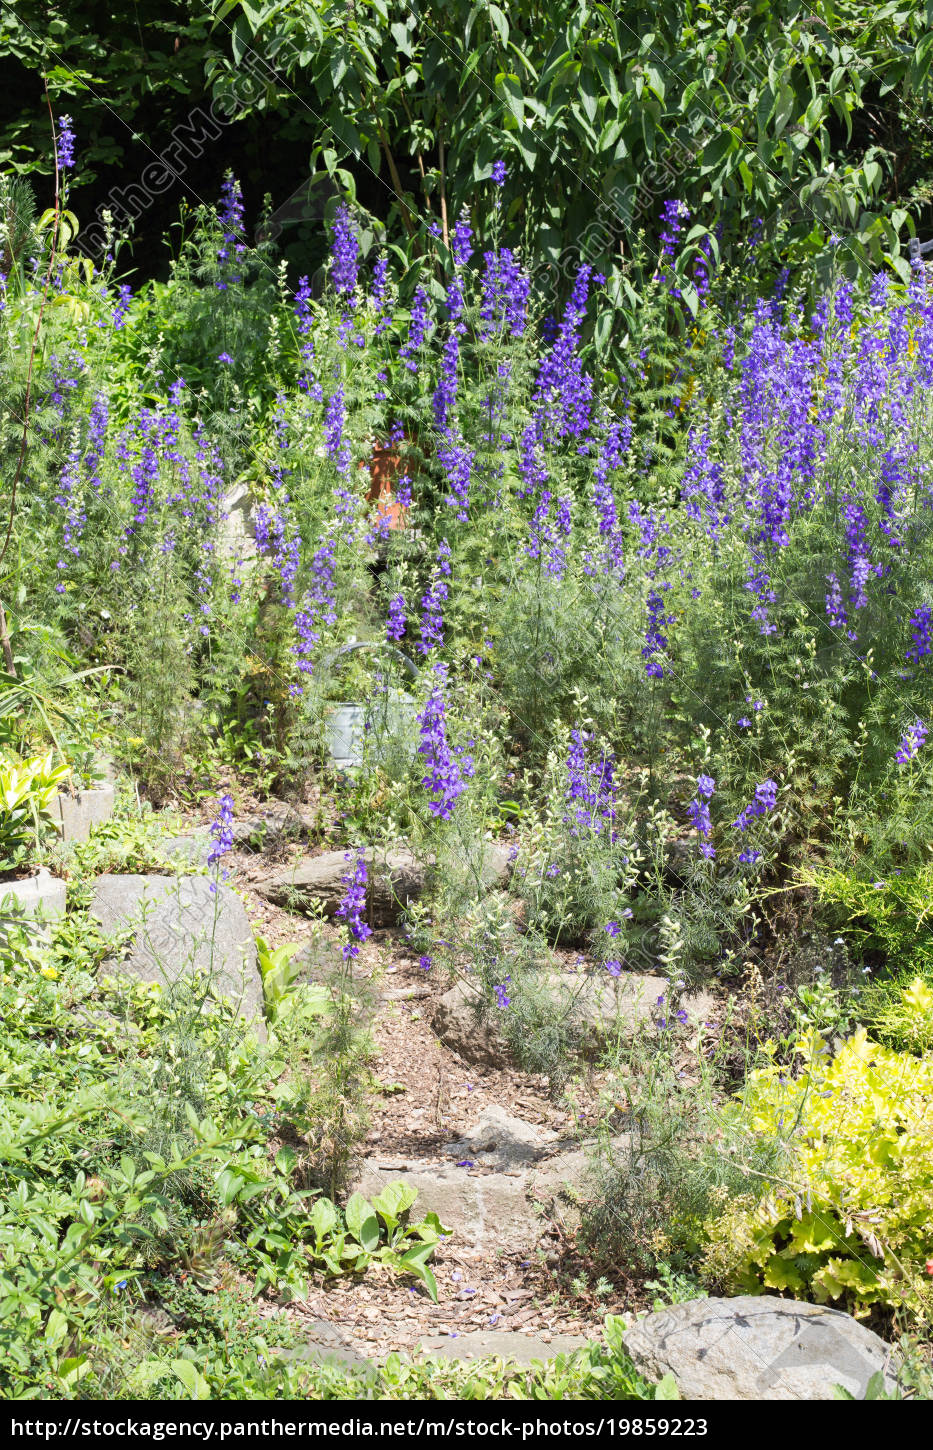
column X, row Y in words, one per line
column 500, row 1140
column 326, row 1345
column 758, row 1348
column 276, row 822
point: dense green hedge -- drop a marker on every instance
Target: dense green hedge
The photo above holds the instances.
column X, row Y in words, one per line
column 809, row 116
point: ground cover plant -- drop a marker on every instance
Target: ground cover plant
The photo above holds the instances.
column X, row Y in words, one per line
column 657, row 639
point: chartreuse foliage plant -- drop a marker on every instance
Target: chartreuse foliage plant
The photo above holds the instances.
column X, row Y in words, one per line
column 27, row 788
column 886, row 920
column 848, row 1218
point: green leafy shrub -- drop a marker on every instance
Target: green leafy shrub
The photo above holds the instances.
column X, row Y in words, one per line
column 849, row 1217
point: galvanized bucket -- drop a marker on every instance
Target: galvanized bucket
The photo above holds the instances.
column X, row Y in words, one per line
column 349, row 723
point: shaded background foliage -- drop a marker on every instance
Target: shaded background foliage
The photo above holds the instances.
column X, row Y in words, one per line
column 810, row 117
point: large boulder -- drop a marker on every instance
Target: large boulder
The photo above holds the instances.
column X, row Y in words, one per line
column 599, row 1005
column 395, row 879
column 183, row 924
column 752, row 1348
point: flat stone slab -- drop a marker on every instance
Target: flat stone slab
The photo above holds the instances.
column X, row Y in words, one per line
column 758, row 1348
column 183, row 926
column 486, row 1211
column 507, row 1209
column 599, row 1003
column 41, row 895
column 396, row 878
column 326, row 1345
column 506, row 1344
column 76, row 814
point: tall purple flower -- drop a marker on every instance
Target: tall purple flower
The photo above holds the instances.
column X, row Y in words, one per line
column 418, row 330
column 65, row 144
column 432, row 620
column 344, row 265
column 590, row 785
column 457, row 460
column 353, row 905
column 232, row 247
column 337, row 445
column 698, row 811
column 921, row 628
column 379, row 293
column 448, row 770
column 564, row 391
column 655, row 639
column 221, row 833
column 765, row 799
column 395, row 624
column 462, row 247
column 308, row 380
column 504, row 292
column 319, row 606
column 124, row 297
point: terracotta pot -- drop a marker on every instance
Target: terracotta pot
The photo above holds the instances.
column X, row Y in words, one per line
column 385, row 467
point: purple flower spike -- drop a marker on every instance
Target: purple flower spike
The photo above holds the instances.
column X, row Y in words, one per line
column 221, row 832
column 448, row 769
column 914, row 738
column 395, row 624
column 344, row 256
column 65, row 144
column 353, row 904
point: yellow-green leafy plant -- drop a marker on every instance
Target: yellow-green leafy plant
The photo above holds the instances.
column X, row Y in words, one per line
column 26, row 791
column 851, row 1217
column 906, row 1020
column 887, row 918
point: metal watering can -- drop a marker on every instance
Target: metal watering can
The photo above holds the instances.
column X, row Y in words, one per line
column 348, row 724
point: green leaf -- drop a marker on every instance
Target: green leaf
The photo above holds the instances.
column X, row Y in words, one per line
column 285, row 1160
column 413, row 1262
column 323, row 1218
column 395, row 1200
column 508, row 86
column 499, row 22
column 194, row 1383
column 362, row 1221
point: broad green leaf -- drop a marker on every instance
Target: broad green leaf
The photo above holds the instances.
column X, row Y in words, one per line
column 323, row 1218
column 362, row 1221
column 395, row 1199
column 193, row 1381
